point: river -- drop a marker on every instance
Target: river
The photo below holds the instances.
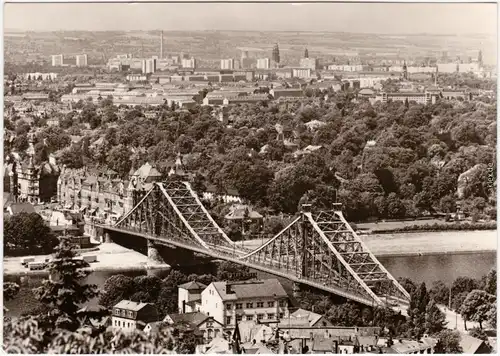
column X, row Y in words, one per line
column 428, row 268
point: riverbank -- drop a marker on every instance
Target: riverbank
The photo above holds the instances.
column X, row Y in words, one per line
column 419, row 243
column 110, row 258
column 431, row 243
column 423, row 225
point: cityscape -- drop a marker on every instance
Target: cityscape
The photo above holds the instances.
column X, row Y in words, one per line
column 179, row 181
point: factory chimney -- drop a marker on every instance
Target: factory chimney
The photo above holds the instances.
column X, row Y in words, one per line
column 161, row 45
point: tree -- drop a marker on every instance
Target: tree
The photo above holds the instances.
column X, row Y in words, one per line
column 27, row 234
column 435, row 320
column 448, row 343
column 478, row 334
column 490, row 282
column 27, row 337
column 477, row 306
column 65, row 290
column 10, row 291
column 346, row 314
column 463, row 284
column 228, row 271
column 119, row 160
column 440, row 292
column 116, row 288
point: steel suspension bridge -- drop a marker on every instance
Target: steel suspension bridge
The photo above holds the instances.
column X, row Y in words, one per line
column 318, row 249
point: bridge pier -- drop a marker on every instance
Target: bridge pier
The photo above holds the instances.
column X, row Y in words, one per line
column 107, row 237
column 153, row 252
column 296, row 289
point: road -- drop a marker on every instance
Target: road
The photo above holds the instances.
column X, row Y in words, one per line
column 455, row 321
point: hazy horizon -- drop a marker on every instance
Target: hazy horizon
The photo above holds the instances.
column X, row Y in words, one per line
column 363, row 18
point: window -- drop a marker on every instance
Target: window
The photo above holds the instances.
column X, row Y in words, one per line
column 239, row 317
column 260, row 316
column 228, row 320
column 260, row 304
column 282, row 303
column 239, row 305
column 249, row 317
column 249, row 305
column 228, row 306
column 119, row 323
column 282, row 315
column 271, row 316
column 270, row 304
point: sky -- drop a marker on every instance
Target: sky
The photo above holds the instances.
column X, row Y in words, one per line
column 380, row 18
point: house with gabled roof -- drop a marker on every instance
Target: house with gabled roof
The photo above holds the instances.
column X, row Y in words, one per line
column 230, row 302
column 198, row 322
column 128, row 315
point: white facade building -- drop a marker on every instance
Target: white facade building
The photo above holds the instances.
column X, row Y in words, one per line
column 227, row 63
column 81, row 60
column 188, row 62
column 231, row 302
column 57, row 60
column 263, row 63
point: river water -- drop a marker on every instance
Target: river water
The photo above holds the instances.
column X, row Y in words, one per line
column 445, row 267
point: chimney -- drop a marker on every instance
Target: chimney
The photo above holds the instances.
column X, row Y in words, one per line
column 161, row 45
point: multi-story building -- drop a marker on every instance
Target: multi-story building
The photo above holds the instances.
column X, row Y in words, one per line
column 424, row 98
column 27, row 182
column 57, row 60
column 40, row 76
column 81, row 60
column 311, row 63
column 190, row 297
column 227, row 64
column 149, row 66
column 263, row 63
column 232, row 302
column 287, row 93
column 188, row 62
column 129, row 316
column 301, row 72
column 102, row 194
column 346, row 67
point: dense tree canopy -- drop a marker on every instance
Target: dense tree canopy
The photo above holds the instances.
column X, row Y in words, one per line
column 27, row 234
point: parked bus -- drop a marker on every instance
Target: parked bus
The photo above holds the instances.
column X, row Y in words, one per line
column 34, row 266
column 27, row 260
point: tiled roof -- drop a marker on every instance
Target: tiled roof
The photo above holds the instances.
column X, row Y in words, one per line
column 17, row 208
column 193, row 319
column 193, row 285
column 253, row 289
column 470, row 344
column 130, row 305
column 311, row 317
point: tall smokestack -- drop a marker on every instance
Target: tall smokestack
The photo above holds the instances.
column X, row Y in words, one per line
column 161, row 45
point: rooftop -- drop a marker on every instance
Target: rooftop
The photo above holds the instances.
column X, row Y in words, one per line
column 252, row 289
column 130, row 305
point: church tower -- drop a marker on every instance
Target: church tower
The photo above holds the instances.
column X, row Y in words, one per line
column 31, row 173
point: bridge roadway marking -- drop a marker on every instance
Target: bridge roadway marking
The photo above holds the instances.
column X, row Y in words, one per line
column 236, row 260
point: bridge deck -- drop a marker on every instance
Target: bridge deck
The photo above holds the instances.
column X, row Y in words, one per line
column 234, row 255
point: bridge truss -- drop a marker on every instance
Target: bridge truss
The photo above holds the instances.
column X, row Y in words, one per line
column 319, row 249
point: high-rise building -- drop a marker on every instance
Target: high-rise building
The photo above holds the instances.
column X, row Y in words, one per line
column 263, row 63
column 149, row 66
column 244, row 54
column 81, row 60
column 188, row 62
column 57, row 60
column 306, row 53
column 276, row 54
column 227, row 63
